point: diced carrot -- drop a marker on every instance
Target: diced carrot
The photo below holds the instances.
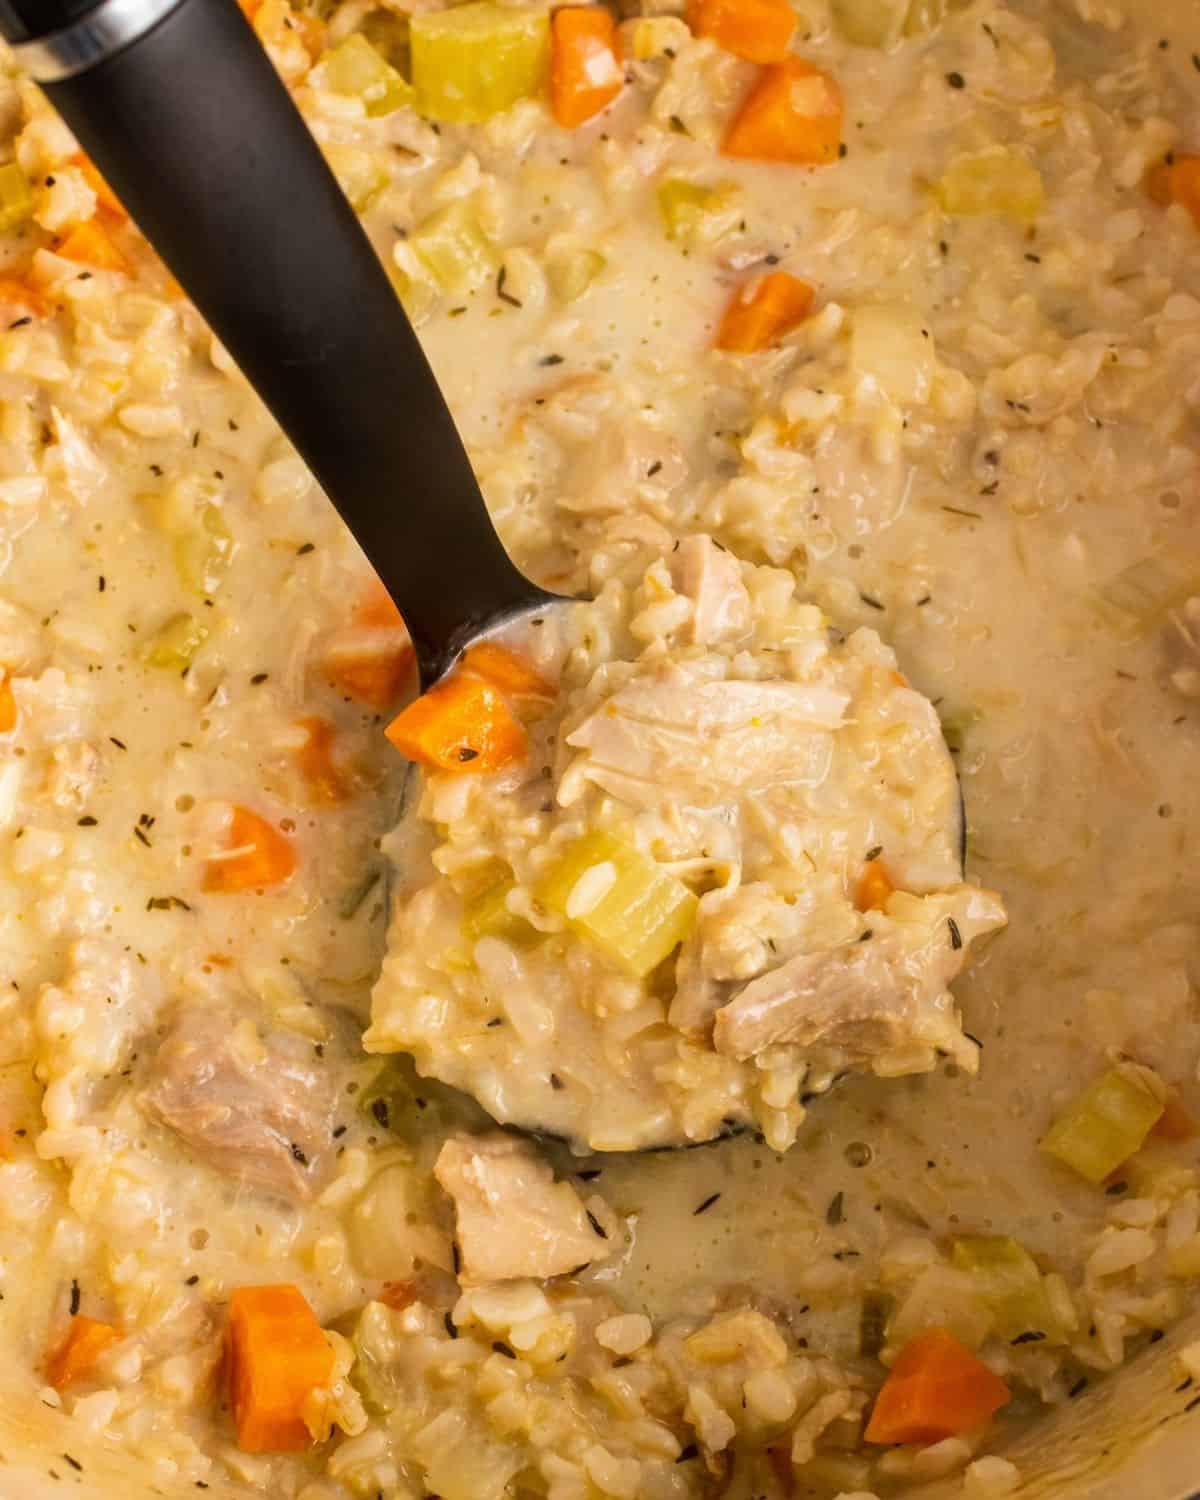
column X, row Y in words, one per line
column 17, row 295
column 398, row 1294
column 76, row 1356
column 277, row 1355
column 8, row 705
column 315, row 759
column 312, row 32
column 250, row 8
column 370, row 672
column 1177, row 181
column 505, row 670
column 461, row 724
column 762, row 311
column 91, row 246
column 258, row 856
column 105, row 196
column 1176, row 1123
column 793, row 113
column 376, row 610
column 936, row 1389
column 758, row 30
column 874, row 888
column 373, row 661
column 585, row 71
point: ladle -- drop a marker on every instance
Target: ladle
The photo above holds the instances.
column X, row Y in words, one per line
column 183, row 113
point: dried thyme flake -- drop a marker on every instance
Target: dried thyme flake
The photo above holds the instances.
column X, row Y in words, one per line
column 501, row 278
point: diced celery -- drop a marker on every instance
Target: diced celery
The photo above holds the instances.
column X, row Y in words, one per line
column 683, row 204
column 176, row 643
column 474, row 61
column 16, row 198
column 572, row 273
column 629, row 907
column 488, row 915
column 1107, row 1123
column 892, row 343
column 204, row 551
column 354, row 67
column 451, row 246
column 992, row 181
column 377, row 1364
column 655, row 36
column 1141, row 596
column 1011, row 1284
column 360, row 173
column 871, row 23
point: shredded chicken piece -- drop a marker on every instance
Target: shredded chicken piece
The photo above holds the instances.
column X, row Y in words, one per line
column 712, row 579
column 247, row 1107
column 871, row 1000
column 514, row 1220
column 702, row 737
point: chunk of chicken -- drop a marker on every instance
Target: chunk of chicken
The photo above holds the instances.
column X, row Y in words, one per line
column 712, row 579
column 514, row 1220
column 680, row 732
column 872, row 1001
column 249, row 1108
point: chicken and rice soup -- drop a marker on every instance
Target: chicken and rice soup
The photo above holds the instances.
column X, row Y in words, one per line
column 842, row 353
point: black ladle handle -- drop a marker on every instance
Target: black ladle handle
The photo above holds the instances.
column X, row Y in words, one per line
column 200, row 140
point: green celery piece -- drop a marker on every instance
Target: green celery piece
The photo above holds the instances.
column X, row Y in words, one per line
column 355, row 67
column 174, row 646
column 451, row 246
column 16, row 197
column 375, row 1373
column 870, row 23
column 360, row 173
column 487, row 915
column 992, row 181
column 203, row 552
column 571, row 274
column 683, row 204
column 1011, row 1285
column 642, row 916
column 1106, row 1124
column 475, row 61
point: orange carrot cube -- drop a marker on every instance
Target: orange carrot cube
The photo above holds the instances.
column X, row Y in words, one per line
column 75, row 1358
column 461, row 724
column 277, row 1356
column 793, row 113
column 935, row 1390
column 90, row 246
column 585, row 72
column 505, row 670
column 258, row 856
column 759, row 30
column 762, row 311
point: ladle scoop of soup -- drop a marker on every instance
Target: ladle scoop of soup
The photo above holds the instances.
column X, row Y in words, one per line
column 706, row 860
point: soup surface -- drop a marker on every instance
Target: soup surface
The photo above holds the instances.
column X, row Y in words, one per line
column 845, row 356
